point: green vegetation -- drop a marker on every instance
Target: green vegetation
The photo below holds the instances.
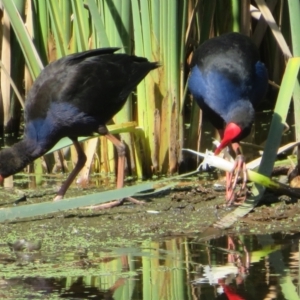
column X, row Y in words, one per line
column 166, row 118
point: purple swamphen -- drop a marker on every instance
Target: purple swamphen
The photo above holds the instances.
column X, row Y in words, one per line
column 227, row 80
column 75, row 96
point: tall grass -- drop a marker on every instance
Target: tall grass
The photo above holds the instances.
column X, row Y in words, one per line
column 166, row 31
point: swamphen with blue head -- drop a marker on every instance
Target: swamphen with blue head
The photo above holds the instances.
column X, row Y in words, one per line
column 75, row 96
column 227, row 80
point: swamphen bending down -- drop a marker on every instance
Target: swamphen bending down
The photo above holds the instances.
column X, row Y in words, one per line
column 227, row 80
column 75, row 96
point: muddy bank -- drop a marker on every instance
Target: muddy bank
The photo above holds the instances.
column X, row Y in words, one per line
column 180, row 212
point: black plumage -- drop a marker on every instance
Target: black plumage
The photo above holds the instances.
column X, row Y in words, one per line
column 75, row 96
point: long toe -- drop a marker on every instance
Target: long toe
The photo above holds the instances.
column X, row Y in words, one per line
column 239, row 170
column 58, row 198
column 135, row 201
column 105, row 205
column 230, row 196
column 114, row 203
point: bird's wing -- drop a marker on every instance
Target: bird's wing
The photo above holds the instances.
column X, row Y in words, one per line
column 90, row 53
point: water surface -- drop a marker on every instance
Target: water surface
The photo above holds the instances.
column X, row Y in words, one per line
column 229, row 267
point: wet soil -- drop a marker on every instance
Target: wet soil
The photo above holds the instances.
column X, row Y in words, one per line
column 75, row 243
column 189, row 209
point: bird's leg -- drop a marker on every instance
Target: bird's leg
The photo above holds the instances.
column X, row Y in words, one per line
column 239, row 167
column 121, row 159
column 120, row 173
column 230, row 195
column 79, row 165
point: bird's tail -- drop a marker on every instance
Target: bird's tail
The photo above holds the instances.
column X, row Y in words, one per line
column 140, row 69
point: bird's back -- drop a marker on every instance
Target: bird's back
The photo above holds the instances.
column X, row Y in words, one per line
column 227, row 70
column 233, row 54
column 79, row 92
column 73, row 96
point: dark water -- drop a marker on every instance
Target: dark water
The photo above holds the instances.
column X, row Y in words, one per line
column 230, row 267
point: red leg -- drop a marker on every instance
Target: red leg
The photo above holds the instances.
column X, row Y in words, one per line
column 121, row 159
column 120, row 174
column 79, row 165
column 239, row 168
